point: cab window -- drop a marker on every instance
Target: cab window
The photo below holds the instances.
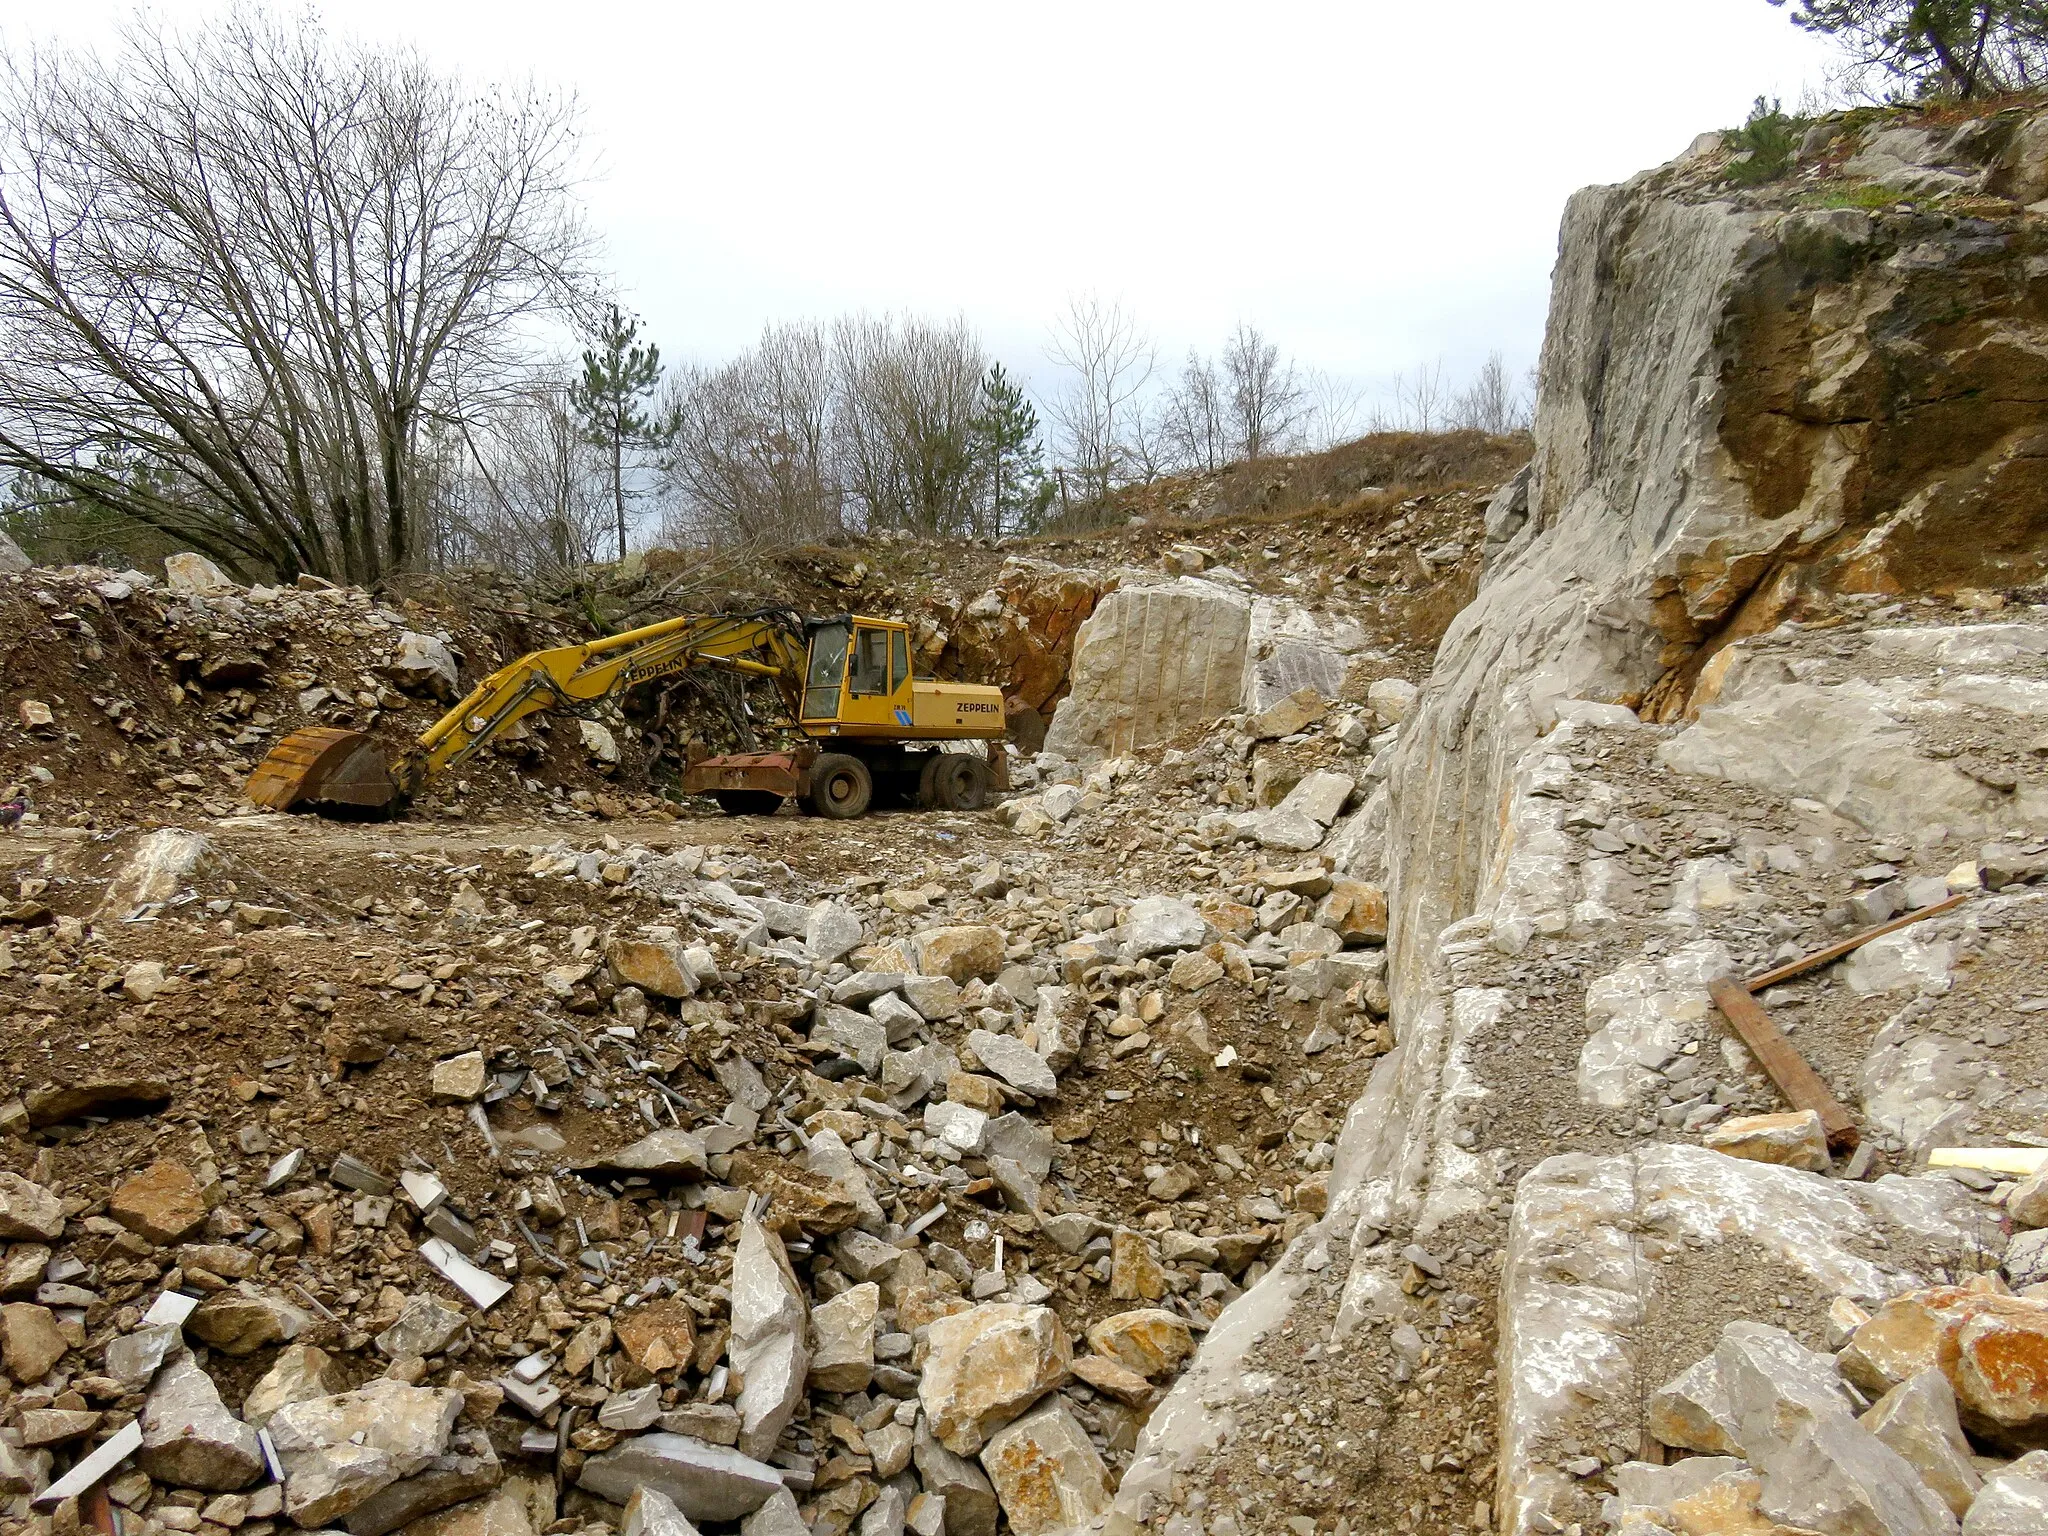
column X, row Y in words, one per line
column 869, row 673
column 828, row 667
column 899, row 659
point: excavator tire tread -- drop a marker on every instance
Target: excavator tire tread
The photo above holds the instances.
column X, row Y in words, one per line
column 960, row 782
column 841, row 787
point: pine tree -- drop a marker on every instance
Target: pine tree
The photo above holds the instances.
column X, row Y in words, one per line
column 619, row 377
column 1964, row 48
column 1013, row 458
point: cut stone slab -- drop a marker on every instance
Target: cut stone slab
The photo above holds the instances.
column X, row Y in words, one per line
column 1917, row 1418
column 706, row 1482
column 1047, row 1473
column 988, row 1364
column 1014, row 1062
column 190, row 1439
column 28, row 1211
column 770, row 1325
column 1793, row 1140
column 163, row 1203
column 1149, row 662
column 843, row 1340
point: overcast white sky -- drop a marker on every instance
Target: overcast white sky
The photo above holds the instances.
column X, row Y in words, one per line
column 1376, row 184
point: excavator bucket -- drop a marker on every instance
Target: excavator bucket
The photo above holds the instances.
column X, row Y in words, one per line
column 324, row 766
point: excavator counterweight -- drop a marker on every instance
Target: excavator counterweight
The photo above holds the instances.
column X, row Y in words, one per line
column 846, row 682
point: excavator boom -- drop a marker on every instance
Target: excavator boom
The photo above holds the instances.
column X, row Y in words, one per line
column 844, row 680
column 345, row 768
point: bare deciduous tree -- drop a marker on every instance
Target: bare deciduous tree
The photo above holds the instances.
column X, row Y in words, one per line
column 1197, row 437
column 238, row 267
column 1265, row 397
column 528, row 494
column 751, row 454
column 904, row 421
column 1491, row 402
column 1110, row 360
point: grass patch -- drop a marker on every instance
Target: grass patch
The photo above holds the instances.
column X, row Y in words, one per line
column 1869, row 196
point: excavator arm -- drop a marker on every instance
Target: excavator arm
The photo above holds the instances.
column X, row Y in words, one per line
column 345, row 766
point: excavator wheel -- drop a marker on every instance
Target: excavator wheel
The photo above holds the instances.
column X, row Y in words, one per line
column 927, row 796
column 960, row 782
column 841, row 787
column 747, row 802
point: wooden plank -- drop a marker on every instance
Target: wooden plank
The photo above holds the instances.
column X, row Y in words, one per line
column 1855, row 941
column 1777, row 1055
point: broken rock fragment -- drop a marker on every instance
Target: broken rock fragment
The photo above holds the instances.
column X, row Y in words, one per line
column 1150, row 1341
column 665, row 1154
column 30, row 1341
column 1794, row 1140
column 1821, row 1469
column 768, row 1347
column 706, row 1482
column 650, row 1512
column 29, row 1211
column 843, row 1340
column 1014, row 1062
column 961, row 954
column 656, row 965
column 988, row 1364
column 190, row 1439
column 338, row 1451
column 243, row 1320
column 1046, row 1472
column 1917, row 1418
column 163, row 1203
column 300, row 1374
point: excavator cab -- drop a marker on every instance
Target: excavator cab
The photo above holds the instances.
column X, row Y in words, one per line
column 859, row 675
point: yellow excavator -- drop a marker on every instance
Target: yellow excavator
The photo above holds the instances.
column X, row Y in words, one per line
column 870, row 725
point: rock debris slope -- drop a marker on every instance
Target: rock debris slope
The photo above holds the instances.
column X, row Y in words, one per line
column 1752, row 666
column 1297, row 1108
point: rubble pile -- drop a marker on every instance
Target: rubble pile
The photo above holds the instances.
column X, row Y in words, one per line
column 145, row 700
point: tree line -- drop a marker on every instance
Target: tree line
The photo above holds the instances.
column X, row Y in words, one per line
column 285, row 298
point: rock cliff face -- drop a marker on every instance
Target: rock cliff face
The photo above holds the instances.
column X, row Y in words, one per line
column 1789, row 442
